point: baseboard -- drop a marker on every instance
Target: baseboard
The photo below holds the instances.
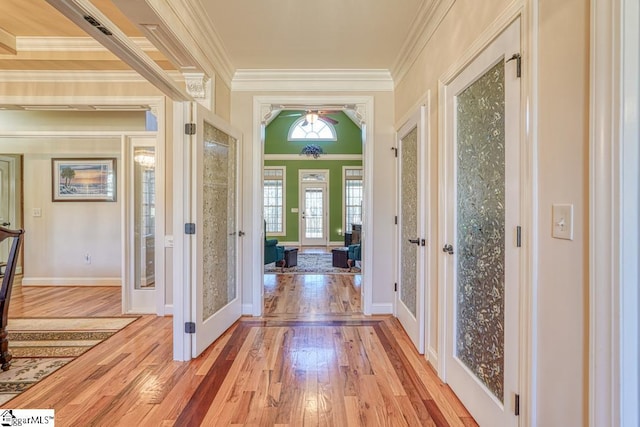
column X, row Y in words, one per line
column 247, row 309
column 381, row 308
column 296, row 244
column 432, row 357
column 338, row 244
column 168, row 309
column 71, row 281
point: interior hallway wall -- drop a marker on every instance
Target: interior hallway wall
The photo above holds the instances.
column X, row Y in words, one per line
column 562, row 149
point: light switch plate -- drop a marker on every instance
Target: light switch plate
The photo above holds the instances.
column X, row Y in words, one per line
column 294, row 210
column 37, row 212
column 562, row 219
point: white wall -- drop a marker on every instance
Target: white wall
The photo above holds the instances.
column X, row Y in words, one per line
column 56, row 243
column 383, row 189
column 561, row 369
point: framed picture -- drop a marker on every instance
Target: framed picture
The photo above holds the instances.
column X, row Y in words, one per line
column 84, row 180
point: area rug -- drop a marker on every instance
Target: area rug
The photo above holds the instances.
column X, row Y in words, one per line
column 312, row 264
column 41, row 346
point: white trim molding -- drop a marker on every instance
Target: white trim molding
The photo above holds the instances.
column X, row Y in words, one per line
column 425, row 24
column 604, row 285
column 312, row 80
column 72, row 44
column 614, row 180
column 125, row 76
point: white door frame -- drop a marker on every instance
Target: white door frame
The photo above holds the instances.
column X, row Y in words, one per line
column 325, row 200
column 527, row 10
column 614, row 243
column 138, row 300
column 261, row 110
column 418, row 323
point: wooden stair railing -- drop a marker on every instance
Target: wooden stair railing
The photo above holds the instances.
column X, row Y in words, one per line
column 5, row 291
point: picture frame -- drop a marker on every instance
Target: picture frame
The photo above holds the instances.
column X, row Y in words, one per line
column 84, row 179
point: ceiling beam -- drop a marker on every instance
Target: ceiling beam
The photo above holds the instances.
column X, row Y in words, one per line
column 7, row 42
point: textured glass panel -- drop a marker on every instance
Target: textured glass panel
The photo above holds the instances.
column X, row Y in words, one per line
column 409, row 218
column 480, row 229
column 219, row 216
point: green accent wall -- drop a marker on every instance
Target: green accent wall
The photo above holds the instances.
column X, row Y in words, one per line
column 276, row 133
column 336, row 195
column 349, row 141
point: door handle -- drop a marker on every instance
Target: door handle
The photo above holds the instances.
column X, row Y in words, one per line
column 6, row 224
column 416, row 241
column 448, row 249
column 241, row 233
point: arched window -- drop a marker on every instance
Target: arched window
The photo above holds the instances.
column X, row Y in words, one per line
column 318, row 130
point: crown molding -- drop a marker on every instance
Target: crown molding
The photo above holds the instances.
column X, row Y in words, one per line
column 72, row 44
column 195, row 20
column 44, row 76
column 312, row 80
column 425, row 24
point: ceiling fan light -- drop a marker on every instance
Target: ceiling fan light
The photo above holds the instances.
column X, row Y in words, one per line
column 311, row 118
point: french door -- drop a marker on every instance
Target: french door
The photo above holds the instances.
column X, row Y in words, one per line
column 216, row 299
column 314, row 209
column 481, row 259
column 410, row 295
column 141, row 226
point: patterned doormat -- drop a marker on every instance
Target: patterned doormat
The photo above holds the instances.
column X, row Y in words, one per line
column 41, row 346
column 312, row 264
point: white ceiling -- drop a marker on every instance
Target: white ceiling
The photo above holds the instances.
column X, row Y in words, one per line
column 252, row 35
column 329, row 34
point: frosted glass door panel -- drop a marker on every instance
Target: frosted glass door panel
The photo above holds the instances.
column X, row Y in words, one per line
column 480, row 228
column 409, row 219
column 219, row 220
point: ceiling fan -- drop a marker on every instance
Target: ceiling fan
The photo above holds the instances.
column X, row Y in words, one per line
column 312, row 115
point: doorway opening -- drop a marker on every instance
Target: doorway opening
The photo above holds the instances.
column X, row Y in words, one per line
column 317, row 213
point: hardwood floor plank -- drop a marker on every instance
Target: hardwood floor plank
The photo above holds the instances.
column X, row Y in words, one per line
column 313, row 359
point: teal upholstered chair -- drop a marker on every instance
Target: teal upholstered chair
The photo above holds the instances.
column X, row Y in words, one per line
column 354, row 253
column 272, row 252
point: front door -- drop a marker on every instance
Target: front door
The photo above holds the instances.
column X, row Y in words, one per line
column 216, row 299
column 313, row 208
column 481, row 259
column 410, row 292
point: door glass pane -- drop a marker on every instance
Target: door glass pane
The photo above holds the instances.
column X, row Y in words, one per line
column 219, row 220
column 481, row 228
column 313, row 209
column 144, row 216
column 409, row 219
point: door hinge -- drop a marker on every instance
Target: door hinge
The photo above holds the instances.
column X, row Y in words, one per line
column 516, row 409
column 395, row 287
column 395, row 151
column 189, row 328
column 189, row 228
column 518, row 58
column 395, row 221
column 519, row 236
column 190, row 128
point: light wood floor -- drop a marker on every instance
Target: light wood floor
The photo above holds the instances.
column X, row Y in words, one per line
column 313, row 359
